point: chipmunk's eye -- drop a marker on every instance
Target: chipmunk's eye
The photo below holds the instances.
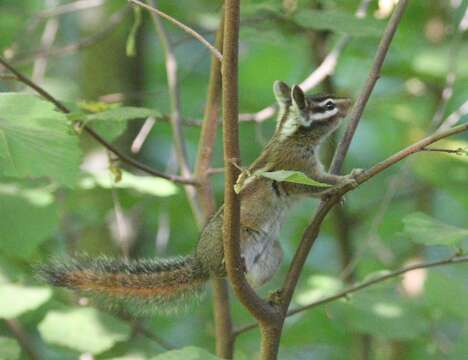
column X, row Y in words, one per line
column 330, row 105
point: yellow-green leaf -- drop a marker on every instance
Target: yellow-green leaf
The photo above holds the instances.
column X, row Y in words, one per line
column 291, row 176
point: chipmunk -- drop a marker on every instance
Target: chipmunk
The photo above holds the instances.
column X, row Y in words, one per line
column 164, row 284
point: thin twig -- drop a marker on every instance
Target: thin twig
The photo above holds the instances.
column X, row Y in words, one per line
column 175, row 118
column 47, row 40
column 374, row 75
column 362, row 285
column 182, row 26
column 448, row 151
column 454, row 117
column 123, row 157
column 142, row 135
column 454, row 52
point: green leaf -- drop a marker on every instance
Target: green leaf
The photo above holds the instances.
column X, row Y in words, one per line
column 123, row 113
column 143, row 184
column 28, row 218
column 131, row 48
column 320, row 287
column 86, row 329
column 447, row 293
column 17, row 299
column 112, row 123
column 9, row 349
column 291, row 176
column 36, row 140
column 424, row 229
column 338, row 21
column 187, row 353
column 380, row 312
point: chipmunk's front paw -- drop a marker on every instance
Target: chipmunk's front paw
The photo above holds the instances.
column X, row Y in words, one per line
column 350, row 179
column 275, row 297
column 356, row 172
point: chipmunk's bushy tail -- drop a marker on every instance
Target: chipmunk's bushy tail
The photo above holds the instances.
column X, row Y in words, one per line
column 160, row 285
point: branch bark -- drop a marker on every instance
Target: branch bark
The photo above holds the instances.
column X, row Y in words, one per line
column 221, row 306
column 267, row 315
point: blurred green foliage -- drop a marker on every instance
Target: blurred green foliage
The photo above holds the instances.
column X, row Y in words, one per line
column 58, row 196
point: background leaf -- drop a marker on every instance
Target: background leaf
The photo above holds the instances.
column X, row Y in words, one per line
column 18, row 299
column 29, row 217
column 338, row 21
column 111, row 123
column 36, row 140
column 83, row 329
column 9, row 349
column 143, row 184
column 381, row 312
column 424, row 229
column 187, row 353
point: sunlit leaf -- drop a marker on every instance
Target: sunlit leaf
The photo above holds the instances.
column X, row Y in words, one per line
column 83, row 329
column 143, row 184
column 17, row 299
column 319, row 286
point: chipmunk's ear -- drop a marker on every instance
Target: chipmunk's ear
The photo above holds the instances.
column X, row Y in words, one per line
column 282, row 93
column 298, row 97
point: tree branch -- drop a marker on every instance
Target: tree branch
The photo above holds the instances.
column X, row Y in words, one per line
column 313, row 229
column 247, row 296
column 184, row 27
column 175, row 118
column 374, row 75
column 221, row 306
column 123, row 157
column 365, row 284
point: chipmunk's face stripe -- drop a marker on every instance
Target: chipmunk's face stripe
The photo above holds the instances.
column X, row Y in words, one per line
column 319, row 111
column 316, row 116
